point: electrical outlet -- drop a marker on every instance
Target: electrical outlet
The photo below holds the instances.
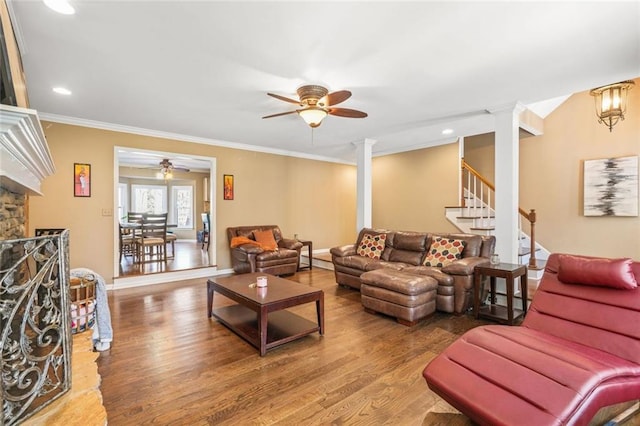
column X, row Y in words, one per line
column 107, row 212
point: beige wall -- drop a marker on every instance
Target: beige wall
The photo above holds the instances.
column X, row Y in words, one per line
column 411, row 189
column 551, row 176
column 478, row 153
column 311, row 198
column 320, row 193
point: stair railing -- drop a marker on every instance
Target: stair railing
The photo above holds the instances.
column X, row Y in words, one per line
column 473, row 182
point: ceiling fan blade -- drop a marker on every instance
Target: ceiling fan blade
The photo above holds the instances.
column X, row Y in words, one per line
column 282, row 98
column 337, row 97
column 346, row 112
column 279, row 114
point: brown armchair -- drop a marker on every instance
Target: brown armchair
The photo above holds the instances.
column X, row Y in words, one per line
column 247, row 258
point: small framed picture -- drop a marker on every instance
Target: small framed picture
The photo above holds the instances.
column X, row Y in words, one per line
column 81, row 180
column 228, row 187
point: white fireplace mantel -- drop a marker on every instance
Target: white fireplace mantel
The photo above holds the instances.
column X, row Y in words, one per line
column 25, row 159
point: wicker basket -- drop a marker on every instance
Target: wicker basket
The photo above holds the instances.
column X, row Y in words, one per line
column 83, row 302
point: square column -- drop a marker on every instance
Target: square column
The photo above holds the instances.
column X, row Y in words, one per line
column 364, row 185
column 507, row 180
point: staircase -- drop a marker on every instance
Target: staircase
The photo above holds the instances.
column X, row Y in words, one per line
column 475, row 215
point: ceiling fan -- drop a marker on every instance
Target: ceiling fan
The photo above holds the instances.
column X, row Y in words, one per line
column 316, row 103
column 167, row 168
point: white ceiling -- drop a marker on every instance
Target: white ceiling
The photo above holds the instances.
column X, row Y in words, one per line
column 146, row 159
column 202, row 69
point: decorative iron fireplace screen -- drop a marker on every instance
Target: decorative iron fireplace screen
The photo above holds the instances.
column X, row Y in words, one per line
column 35, row 323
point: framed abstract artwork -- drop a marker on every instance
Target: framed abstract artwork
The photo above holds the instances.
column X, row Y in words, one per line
column 611, row 187
column 81, row 180
column 227, row 188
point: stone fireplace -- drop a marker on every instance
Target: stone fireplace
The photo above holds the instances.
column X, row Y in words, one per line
column 12, row 215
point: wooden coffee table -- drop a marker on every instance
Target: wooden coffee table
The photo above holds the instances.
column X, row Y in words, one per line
column 260, row 317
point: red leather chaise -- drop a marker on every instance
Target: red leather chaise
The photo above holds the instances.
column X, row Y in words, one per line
column 578, row 350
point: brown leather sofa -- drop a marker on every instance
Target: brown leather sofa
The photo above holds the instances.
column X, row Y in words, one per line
column 577, row 351
column 251, row 258
column 406, row 251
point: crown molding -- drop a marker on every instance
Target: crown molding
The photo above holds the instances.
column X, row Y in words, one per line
column 185, row 138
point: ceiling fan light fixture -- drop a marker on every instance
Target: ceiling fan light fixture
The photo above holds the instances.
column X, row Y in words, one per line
column 316, row 103
column 166, row 173
column 313, row 116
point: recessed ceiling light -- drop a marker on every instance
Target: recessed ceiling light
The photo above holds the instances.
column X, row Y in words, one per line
column 62, row 91
column 60, row 6
column 447, row 131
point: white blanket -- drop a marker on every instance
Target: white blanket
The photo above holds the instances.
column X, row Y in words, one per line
column 102, row 330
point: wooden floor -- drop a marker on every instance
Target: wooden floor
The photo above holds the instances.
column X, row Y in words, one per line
column 171, row 365
column 189, row 255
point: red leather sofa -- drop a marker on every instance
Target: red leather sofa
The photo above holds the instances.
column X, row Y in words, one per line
column 578, row 350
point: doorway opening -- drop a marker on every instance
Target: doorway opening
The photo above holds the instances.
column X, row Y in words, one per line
column 181, row 185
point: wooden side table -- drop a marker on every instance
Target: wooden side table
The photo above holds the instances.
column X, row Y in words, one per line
column 509, row 272
column 309, row 245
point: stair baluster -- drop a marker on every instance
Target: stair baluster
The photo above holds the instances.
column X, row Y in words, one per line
column 485, row 216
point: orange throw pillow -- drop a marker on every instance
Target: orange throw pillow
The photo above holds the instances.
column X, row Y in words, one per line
column 266, row 240
column 238, row 241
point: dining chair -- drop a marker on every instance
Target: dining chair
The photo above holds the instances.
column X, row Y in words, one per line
column 127, row 242
column 153, row 236
column 206, row 221
column 135, row 217
column 171, row 238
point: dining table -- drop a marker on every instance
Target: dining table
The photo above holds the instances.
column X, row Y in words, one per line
column 135, row 228
column 138, row 225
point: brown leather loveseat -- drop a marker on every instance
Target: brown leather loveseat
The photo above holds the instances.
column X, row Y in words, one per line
column 251, row 257
column 406, row 252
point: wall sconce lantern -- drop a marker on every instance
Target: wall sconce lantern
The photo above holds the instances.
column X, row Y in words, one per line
column 611, row 102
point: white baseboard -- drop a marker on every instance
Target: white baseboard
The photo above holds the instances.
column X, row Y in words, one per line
column 165, row 277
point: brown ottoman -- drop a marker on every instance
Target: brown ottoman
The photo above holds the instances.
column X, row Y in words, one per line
column 407, row 297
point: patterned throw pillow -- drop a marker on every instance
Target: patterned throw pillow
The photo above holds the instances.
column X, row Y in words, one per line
column 443, row 251
column 372, row 245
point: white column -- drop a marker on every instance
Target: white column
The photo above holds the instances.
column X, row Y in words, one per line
column 460, row 174
column 364, row 198
column 507, row 180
